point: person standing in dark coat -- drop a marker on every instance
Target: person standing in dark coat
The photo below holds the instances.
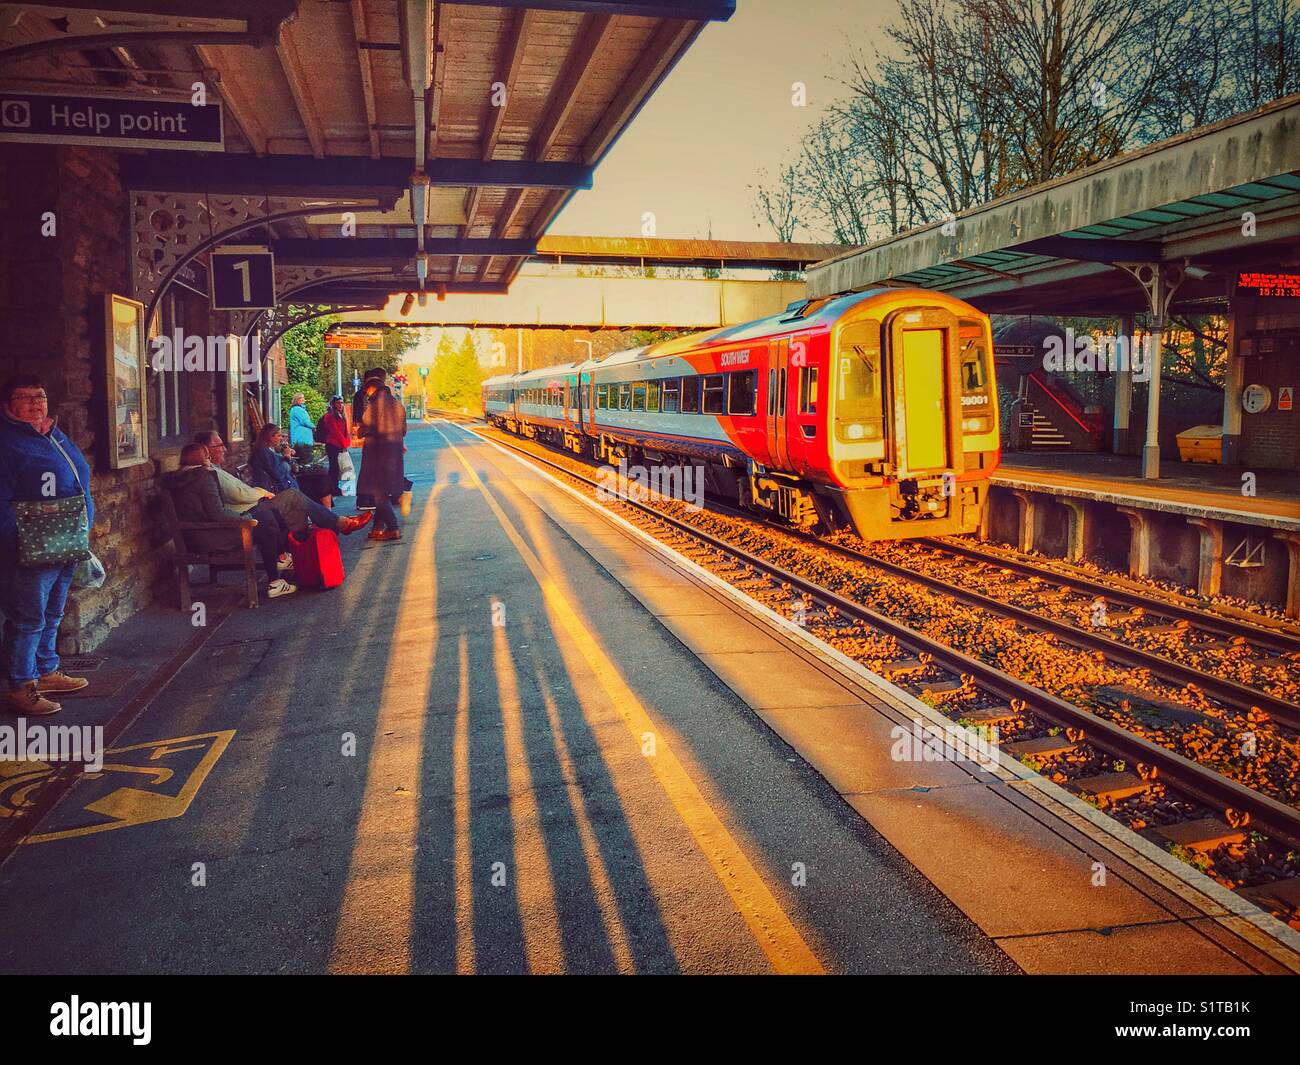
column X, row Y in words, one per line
column 382, row 476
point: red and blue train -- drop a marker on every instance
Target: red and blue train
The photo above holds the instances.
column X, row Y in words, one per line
column 876, row 411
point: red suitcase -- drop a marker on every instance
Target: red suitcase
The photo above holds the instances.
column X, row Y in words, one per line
column 316, row 559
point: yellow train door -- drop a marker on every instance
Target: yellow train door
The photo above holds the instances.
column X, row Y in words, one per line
column 922, row 387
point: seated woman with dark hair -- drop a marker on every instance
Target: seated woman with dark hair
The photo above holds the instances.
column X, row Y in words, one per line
column 274, row 468
column 197, row 497
column 269, row 460
column 273, row 472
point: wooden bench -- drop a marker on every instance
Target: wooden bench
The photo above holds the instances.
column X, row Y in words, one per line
column 233, row 559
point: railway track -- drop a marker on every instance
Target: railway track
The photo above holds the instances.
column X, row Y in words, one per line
column 1232, row 694
column 1281, row 637
column 930, row 667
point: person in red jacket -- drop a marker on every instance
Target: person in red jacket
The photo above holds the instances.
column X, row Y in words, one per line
column 333, row 433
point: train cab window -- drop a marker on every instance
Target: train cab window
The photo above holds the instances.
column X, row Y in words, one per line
column 859, row 401
column 714, row 400
column 742, row 392
column 974, row 359
column 625, row 397
column 638, row 396
column 671, row 394
column 808, row 390
column 690, row 395
column 652, row 396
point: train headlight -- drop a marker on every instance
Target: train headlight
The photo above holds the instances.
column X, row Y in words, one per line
column 855, row 431
column 976, row 425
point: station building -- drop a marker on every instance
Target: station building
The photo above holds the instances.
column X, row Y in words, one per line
column 221, row 168
column 1205, row 223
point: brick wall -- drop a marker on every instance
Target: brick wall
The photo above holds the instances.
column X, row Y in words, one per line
column 52, row 292
column 1271, row 440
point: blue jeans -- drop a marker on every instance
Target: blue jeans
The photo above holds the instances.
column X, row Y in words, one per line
column 33, row 601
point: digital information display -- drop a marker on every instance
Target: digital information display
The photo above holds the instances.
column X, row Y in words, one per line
column 1264, row 284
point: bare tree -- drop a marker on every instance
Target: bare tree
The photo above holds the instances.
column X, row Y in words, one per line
column 777, row 203
column 974, row 99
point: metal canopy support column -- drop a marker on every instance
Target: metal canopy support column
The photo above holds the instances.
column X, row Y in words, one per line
column 1159, row 282
column 1234, row 382
column 1124, row 387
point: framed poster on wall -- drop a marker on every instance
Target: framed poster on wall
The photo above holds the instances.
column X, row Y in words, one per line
column 125, row 362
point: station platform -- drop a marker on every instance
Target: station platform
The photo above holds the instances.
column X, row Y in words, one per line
column 1213, row 530
column 1186, row 487
column 527, row 739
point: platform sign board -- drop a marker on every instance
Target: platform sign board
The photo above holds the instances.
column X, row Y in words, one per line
column 125, row 121
column 355, row 341
column 1268, row 284
column 243, row 278
column 1015, row 351
column 1026, row 421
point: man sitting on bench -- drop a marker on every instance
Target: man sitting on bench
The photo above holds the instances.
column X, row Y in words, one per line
column 197, row 497
column 291, row 504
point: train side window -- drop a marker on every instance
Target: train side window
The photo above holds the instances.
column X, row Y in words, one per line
column 652, row 396
column 671, row 395
column 715, row 394
column 690, row 395
column 600, row 396
column 808, row 390
column 625, row 397
column 638, row 396
column 742, row 392
column 771, row 392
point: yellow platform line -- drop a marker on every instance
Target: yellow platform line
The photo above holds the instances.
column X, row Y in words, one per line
column 771, row 928
column 462, row 872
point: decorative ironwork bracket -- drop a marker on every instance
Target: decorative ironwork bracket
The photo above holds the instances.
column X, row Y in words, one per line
column 169, row 230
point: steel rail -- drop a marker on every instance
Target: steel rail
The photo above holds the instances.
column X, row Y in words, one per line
column 1219, row 625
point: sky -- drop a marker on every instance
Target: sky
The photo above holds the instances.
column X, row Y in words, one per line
column 724, row 113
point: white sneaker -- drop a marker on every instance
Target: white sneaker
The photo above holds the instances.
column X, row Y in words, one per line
column 285, row 563
column 278, row 588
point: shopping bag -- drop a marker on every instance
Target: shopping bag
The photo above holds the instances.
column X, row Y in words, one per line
column 317, row 562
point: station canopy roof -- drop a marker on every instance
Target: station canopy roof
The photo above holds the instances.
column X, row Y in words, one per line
column 507, row 106
column 1221, row 198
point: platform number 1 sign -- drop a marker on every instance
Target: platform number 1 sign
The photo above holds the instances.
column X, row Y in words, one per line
column 243, row 279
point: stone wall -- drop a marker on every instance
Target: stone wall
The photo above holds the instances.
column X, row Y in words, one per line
column 52, row 291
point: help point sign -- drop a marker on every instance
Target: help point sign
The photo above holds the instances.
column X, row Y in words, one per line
column 128, row 121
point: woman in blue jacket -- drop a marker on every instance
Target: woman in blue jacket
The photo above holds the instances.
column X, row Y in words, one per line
column 37, row 461
column 301, row 428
